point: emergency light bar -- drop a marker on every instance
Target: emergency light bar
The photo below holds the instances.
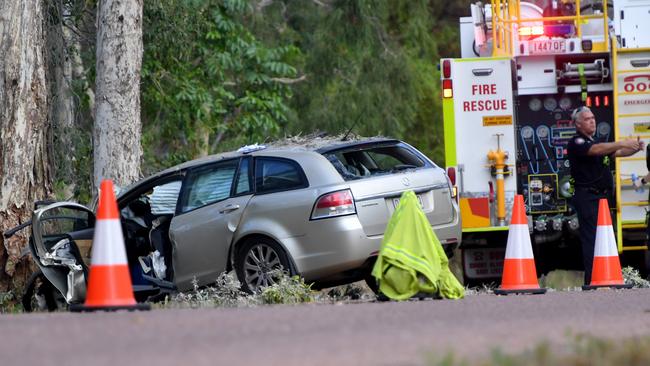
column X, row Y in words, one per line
column 552, row 30
column 558, row 30
column 531, row 31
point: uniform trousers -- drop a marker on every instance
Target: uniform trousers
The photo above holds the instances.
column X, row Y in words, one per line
column 585, row 201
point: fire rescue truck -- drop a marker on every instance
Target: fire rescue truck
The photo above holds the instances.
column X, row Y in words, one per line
column 507, row 104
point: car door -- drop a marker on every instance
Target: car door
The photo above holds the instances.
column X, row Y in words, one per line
column 212, row 201
column 61, row 245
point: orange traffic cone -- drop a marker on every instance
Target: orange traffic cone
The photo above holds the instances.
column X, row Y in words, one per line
column 109, row 281
column 606, row 270
column 519, row 273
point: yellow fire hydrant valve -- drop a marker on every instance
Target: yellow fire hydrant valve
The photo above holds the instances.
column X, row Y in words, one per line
column 498, row 160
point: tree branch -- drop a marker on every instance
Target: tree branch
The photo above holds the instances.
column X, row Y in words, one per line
column 290, row 81
column 320, row 3
column 263, row 4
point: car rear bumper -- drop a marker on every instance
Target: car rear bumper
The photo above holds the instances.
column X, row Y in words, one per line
column 337, row 245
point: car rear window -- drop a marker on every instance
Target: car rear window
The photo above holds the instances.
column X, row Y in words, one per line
column 363, row 161
column 276, row 174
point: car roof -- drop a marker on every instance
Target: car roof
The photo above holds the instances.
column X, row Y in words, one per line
column 286, row 147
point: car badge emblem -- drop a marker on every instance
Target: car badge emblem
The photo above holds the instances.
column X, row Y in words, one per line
column 406, row 182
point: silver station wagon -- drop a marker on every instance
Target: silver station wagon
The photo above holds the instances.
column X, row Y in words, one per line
column 317, row 209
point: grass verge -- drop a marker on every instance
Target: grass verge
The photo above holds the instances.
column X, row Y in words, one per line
column 579, row 350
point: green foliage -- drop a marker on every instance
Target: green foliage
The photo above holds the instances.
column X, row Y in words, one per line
column 206, row 79
column 579, row 350
column 9, row 303
column 370, row 65
column 633, row 277
column 226, row 292
column 287, row 290
column 217, row 74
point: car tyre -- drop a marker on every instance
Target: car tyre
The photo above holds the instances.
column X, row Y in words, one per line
column 41, row 295
column 259, row 262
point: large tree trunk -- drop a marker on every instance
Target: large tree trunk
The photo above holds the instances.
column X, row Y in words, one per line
column 117, row 149
column 62, row 105
column 24, row 162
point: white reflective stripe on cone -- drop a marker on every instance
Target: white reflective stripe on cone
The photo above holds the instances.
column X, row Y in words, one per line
column 605, row 242
column 518, row 246
column 108, row 243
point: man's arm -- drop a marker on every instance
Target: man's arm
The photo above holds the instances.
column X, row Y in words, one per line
column 625, row 152
column 619, row 148
column 628, row 151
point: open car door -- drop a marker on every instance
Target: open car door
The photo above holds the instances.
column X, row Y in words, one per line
column 61, row 244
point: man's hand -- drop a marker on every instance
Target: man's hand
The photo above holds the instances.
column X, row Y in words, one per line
column 641, row 143
column 632, row 144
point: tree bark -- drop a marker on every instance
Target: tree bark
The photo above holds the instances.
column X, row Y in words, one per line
column 24, row 130
column 62, row 105
column 117, row 149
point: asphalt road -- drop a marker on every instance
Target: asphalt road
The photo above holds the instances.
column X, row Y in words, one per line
column 314, row 334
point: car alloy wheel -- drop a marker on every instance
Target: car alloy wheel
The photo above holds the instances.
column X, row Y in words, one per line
column 260, row 263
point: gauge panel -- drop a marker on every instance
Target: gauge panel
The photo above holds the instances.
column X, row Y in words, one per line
column 545, row 128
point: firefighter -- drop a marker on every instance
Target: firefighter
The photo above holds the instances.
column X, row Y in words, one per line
column 591, row 164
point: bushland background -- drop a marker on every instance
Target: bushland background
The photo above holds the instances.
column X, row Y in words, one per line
column 213, row 75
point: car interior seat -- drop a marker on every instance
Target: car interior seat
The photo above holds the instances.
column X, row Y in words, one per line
column 159, row 237
column 352, row 169
column 364, row 171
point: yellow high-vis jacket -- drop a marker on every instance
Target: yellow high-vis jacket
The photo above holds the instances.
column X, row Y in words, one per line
column 411, row 259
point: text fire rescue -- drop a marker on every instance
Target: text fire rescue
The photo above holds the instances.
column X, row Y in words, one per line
column 484, row 104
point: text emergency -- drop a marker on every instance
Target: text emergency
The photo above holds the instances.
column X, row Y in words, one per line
column 484, row 104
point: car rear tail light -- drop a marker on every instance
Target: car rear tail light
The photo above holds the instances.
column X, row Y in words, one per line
column 451, row 173
column 446, row 89
column 334, row 204
column 451, row 180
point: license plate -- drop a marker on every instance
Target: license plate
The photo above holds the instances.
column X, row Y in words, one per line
column 547, row 46
column 396, row 201
column 483, row 262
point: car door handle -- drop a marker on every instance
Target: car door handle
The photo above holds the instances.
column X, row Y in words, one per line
column 229, row 208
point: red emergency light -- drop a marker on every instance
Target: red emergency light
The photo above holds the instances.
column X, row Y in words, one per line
column 446, row 69
column 606, row 100
column 597, row 100
column 447, row 89
column 588, row 102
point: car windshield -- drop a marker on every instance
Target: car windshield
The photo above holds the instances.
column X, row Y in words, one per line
column 367, row 160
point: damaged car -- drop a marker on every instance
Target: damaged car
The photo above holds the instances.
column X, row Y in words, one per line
column 317, row 208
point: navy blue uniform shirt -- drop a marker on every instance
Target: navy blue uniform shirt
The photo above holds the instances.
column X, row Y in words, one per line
column 589, row 171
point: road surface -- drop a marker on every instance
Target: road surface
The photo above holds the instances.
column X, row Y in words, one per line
column 388, row 333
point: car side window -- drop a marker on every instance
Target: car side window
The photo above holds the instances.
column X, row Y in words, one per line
column 163, row 198
column 209, row 184
column 277, row 174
